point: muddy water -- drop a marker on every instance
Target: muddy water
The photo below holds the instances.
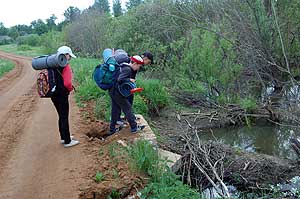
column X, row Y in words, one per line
column 264, row 139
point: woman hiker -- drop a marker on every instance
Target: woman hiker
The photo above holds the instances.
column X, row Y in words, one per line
column 61, row 99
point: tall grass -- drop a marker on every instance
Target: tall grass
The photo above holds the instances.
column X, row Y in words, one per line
column 5, row 66
column 163, row 183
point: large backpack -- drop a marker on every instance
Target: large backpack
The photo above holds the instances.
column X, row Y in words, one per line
column 47, row 84
column 49, row 78
column 105, row 75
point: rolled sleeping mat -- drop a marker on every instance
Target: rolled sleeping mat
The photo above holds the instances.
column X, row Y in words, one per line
column 49, row 61
column 121, row 56
column 107, row 53
column 125, row 88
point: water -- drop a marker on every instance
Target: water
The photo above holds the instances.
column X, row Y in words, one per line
column 261, row 139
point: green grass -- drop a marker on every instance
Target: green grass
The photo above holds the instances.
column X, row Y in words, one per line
column 5, row 66
column 99, row 177
column 23, row 50
column 163, row 183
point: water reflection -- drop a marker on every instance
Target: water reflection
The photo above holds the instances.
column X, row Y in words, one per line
column 261, row 139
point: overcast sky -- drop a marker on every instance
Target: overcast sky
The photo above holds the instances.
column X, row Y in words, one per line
column 18, row 12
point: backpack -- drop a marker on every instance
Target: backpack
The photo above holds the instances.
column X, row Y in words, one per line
column 105, row 75
column 47, row 83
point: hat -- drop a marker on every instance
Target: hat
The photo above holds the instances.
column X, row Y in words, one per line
column 137, row 59
column 149, row 55
column 65, row 50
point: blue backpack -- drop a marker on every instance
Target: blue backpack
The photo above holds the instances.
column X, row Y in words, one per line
column 105, row 75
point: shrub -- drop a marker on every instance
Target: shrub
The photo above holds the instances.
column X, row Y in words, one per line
column 154, row 94
column 30, row 40
column 51, row 41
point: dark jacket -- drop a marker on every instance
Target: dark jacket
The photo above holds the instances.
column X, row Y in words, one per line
column 126, row 73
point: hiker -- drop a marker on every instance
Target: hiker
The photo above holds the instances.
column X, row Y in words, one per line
column 147, row 59
column 61, row 100
column 119, row 101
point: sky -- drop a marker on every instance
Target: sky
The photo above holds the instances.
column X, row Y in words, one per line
column 19, row 12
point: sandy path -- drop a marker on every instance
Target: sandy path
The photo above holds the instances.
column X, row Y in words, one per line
column 33, row 163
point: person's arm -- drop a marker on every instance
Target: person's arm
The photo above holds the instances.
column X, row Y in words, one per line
column 124, row 75
column 67, row 77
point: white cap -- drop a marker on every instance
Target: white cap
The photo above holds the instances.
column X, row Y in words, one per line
column 65, row 50
column 137, row 59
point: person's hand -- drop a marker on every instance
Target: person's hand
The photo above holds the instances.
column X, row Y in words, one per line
column 132, row 80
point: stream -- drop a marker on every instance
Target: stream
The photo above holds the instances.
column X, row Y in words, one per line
column 264, row 139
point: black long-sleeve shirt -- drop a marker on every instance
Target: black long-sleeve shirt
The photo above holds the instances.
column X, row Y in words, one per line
column 126, row 73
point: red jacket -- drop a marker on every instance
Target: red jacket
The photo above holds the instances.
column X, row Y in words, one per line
column 67, row 77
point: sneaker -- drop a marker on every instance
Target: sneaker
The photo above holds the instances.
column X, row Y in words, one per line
column 138, row 128
column 120, row 122
column 115, row 131
column 72, row 143
column 62, row 141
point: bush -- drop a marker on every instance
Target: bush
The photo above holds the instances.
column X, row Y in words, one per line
column 51, row 41
column 30, row 40
column 140, row 106
column 154, row 94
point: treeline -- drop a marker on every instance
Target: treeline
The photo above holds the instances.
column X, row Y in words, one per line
column 226, row 51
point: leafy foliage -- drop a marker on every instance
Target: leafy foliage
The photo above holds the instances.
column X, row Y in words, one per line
column 155, row 95
column 164, row 184
column 117, row 8
column 99, row 177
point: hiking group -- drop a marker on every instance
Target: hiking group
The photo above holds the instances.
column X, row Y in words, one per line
column 116, row 75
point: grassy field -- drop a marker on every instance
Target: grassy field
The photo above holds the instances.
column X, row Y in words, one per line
column 5, row 66
column 23, row 50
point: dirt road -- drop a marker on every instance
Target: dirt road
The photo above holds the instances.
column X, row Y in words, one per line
column 33, row 163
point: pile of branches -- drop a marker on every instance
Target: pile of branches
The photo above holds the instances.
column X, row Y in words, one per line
column 207, row 164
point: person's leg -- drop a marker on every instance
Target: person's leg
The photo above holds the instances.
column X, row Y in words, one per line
column 57, row 105
column 126, row 108
column 64, row 118
column 130, row 99
column 115, row 111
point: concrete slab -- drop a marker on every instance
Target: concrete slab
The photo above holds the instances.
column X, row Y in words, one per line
column 174, row 160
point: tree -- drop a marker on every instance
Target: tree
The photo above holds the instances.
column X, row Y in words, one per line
column 3, row 30
column 72, row 14
column 102, row 6
column 117, row 8
column 13, row 32
column 133, row 3
column 51, row 22
column 39, row 27
column 89, row 34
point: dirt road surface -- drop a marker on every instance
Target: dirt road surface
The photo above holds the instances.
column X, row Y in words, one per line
column 33, row 163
